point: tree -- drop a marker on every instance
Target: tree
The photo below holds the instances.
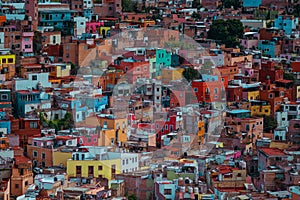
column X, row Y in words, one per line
column 287, row 76
column 129, row 5
column 132, row 197
column 270, row 123
column 68, row 121
column 190, row 74
column 226, row 32
column 196, row 4
column 196, row 16
column 231, row 3
column 74, row 69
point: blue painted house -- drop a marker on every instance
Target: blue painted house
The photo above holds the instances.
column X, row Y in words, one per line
column 5, row 99
column 251, row 3
column 163, row 59
column 5, row 123
column 60, row 19
column 288, row 23
column 268, row 48
column 97, row 102
column 23, row 98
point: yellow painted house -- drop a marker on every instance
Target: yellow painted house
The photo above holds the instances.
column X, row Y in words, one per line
column 60, row 158
column 59, row 70
column 201, row 131
column 253, row 95
column 7, row 65
column 260, row 108
column 170, row 74
column 107, row 137
column 94, row 168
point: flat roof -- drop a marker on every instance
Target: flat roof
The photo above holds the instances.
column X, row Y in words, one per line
column 237, row 111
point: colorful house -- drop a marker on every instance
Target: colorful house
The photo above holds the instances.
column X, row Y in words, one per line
column 288, row 23
column 269, row 48
column 210, row 88
column 163, row 59
column 90, row 162
column 7, row 64
column 27, row 42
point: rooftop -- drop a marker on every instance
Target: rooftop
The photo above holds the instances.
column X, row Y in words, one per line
column 272, row 151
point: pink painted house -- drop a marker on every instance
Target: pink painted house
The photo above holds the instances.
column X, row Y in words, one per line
column 92, row 27
column 27, row 42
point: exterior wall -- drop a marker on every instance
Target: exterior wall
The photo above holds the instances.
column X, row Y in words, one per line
column 37, row 157
column 80, row 25
column 171, row 74
column 282, row 119
column 7, row 65
column 201, row 131
column 108, row 137
column 106, row 171
column 269, row 48
column 61, row 158
column 286, row 23
column 22, row 176
column 216, row 89
column 42, row 78
column 279, row 135
column 261, row 110
column 252, row 3
column 163, row 59
column 129, row 161
column 27, row 42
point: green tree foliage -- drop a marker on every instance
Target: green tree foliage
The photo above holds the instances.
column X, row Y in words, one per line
column 190, row 74
column 270, row 123
column 129, row 5
column 74, row 69
column 227, row 32
column 58, row 124
column 196, row 4
column 231, row 3
column 287, row 76
column 196, row 16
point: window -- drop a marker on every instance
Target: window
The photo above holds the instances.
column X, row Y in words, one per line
column 35, row 144
column 4, row 97
column 270, row 96
column 17, row 186
column 35, row 154
column 10, row 60
column 195, row 89
column 216, row 90
column 78, row 170
column 26, row 183
column 100, row 167
column 27, row 46
column 167, row 191
column 113, row 169
column 43, row 155
column 247, row 127
column 91, row 170
column 33, row 124
column 34, row 77
column 3, row 60
column 166, row 127
column 67, row 47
